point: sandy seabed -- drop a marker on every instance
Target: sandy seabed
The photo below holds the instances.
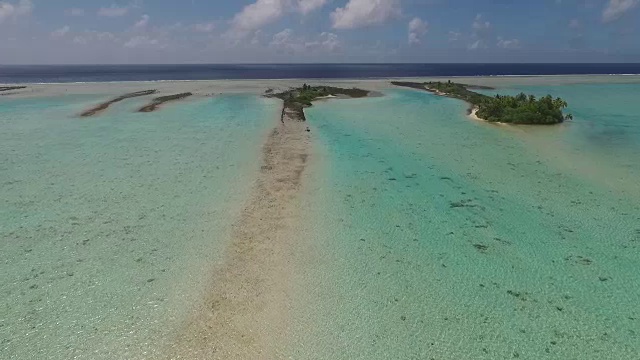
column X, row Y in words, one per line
column 244, row 314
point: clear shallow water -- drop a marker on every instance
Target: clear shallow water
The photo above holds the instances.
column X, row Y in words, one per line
column 430, row 235
column 110, row 224
column 447, row 238
column 603, row 142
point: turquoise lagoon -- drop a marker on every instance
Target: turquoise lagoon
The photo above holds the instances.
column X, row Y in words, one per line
column 425, row 235
column 441, row 237
column 109, row 225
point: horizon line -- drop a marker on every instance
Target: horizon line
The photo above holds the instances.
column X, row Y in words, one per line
column 331, row 63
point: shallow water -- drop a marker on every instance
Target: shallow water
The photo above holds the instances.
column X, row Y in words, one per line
column 447, row 238
column 424, row 234
column 603, row 141
column 110, row 224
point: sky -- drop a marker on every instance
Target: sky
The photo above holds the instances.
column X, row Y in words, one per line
column 318, row 31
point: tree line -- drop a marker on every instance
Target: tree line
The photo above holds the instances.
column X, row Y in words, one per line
column 519, row 109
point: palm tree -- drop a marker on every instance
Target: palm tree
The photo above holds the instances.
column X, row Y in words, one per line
column 559, row 103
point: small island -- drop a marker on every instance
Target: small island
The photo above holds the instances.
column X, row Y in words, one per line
column 520, row 109
column 153, row 106
column 297, row 99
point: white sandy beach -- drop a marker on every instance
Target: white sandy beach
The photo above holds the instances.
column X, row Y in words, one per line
column 474, row 115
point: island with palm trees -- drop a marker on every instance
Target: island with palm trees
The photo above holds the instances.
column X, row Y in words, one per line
column 519, row 109
column 297, row 99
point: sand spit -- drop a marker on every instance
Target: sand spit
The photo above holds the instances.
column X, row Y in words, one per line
column 244, row 315
column 472, row 111
column 9, row 88
column 473, row 114
column 153, row 106
column 102, row 107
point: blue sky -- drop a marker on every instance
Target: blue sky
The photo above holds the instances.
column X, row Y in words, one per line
column 263, row 31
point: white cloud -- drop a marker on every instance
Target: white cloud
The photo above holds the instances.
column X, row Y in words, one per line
column 616, row 8
column 74, row 12
column 508, row 44
column 361, row 13
column 256, row 15
column 287, row 41
column 454, row 35
column 60, row 32
column 476, row 45
column 326, row 41
column 204, row 28
column 417, row 29
column 104, row 36
column 307, row 6
column 480, row 26
column 143, row 22
column 282, row 37
column 80, row 40
column 257, row 37
column 113, row 11
column 92, row 36
column 481, row 31
column 141, row 41
column 9, row 10
column 264, row 12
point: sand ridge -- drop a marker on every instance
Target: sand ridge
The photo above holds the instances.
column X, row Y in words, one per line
column 244, row 315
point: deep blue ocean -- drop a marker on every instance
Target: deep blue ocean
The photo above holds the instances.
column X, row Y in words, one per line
column 107, row 73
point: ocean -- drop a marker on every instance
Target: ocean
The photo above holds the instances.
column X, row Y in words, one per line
column 418, row 233
column 109, row 73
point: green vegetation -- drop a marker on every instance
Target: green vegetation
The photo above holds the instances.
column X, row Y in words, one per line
column 519, row 109
column 460, row 91
column 523, row 109
column 295, row 100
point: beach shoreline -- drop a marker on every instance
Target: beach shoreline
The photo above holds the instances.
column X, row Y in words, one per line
column 473, row 114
